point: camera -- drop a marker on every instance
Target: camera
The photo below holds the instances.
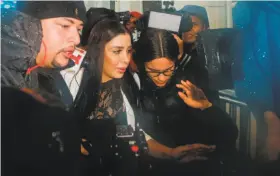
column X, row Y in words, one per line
column 123, row 16
column 177, row 23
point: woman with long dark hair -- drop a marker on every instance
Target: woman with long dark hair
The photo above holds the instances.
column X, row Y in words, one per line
column 188, row 127
column 102, row 101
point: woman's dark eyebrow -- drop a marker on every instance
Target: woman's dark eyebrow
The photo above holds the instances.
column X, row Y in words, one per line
column 120, row 47
column 160, row 70
column 117, row 47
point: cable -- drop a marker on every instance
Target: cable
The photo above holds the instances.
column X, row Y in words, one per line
column 29, row 70
column 75, row 78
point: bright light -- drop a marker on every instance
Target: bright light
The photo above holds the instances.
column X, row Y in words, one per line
column 7, row 6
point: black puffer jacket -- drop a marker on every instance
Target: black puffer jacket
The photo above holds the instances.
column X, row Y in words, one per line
column 20, row 43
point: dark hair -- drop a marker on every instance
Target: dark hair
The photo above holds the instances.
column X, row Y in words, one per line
column 94, row 15
column 198, row 11
column 101, row 33
column 155, row 43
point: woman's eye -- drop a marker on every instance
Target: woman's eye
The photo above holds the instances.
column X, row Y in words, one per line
column 129, row 51
column 117, row 52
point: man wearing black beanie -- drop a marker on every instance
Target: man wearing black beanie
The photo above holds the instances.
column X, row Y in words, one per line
column 36, row 40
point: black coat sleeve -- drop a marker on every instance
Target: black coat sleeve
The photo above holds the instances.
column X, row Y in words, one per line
column 225, row 129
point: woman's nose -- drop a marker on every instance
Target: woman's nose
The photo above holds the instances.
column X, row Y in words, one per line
column 162, row 78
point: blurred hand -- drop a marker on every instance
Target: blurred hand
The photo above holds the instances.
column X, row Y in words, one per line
column 34, row 94
column 133, row 66
column 191, row 152
column 180, row 44
column 193, row 96
column 83, row 150
column 272, row 143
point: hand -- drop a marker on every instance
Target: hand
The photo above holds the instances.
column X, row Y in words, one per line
column 83, row 150
column 180, row 44
column 191, row 152
column 193, row 96
column 272, row 142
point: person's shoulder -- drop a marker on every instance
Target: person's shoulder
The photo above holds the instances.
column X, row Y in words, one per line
column 35, row 127
column 184, row 73
column 15, row 96
column 25, row 104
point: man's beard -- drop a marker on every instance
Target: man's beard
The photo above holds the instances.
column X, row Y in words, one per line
column 71, row 63
column 56, row 64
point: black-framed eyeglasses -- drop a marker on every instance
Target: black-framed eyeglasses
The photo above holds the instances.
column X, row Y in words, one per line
column 167, row 72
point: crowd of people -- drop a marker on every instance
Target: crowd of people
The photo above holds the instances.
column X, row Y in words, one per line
column 81, row 97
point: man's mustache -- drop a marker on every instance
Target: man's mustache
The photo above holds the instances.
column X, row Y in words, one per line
column 68, row 49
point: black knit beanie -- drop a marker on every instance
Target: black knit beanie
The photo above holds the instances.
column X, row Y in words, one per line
column 53, row 9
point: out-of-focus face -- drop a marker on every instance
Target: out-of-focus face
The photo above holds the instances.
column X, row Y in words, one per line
column 133, row 66
column 117, row 55
column 60, row 36
column 160, row 70
column 198, row 26
column 131, row 24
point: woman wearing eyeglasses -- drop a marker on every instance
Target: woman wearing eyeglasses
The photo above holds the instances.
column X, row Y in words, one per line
column 187, row 127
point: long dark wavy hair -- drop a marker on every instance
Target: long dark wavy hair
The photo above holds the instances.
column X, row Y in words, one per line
column 96, row 34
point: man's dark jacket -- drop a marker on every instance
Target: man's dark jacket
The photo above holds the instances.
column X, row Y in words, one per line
column 38, row 139
column 21, row 37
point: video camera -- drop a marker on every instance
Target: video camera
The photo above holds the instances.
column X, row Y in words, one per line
column 174, row 22
column 124, row 16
